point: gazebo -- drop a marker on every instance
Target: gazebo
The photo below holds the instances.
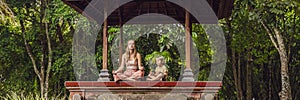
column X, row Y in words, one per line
column 118, row 12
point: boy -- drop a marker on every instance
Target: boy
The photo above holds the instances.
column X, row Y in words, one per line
column 161, row 70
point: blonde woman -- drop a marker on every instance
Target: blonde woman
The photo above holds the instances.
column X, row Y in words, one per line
column 131, row 59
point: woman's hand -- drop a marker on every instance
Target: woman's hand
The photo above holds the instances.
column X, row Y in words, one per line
column 141, row 68
column 114, row 72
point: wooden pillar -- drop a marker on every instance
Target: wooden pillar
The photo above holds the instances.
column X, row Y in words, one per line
column 104, row 76
column 121, row 35
column 104, row 49
column 121, row 44
column 188, row 74
column 187, row 40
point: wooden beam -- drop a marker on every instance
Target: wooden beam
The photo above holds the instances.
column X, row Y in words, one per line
column 164, row 5
column 75, row 7
column 133, row 8
column 221, row 8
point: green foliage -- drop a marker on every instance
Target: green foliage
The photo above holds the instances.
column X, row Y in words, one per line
column 243, row 31
column 202, row 44
column 152, row 57
column 6, row 14
column 246, row 36
column 16, row 69
column 159, row 47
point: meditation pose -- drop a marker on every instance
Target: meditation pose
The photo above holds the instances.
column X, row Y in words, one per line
column 160, row 72
column 131, row 59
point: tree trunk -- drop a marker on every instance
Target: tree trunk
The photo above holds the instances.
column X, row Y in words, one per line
column 248, row 77
column 44, row 25
column 59, row 33
column 235, row 75
column 240, row 91
column 270, row 79
column 277, row 40
column 45, row 53
column 31, row 56
column 285, row 93
column 49, row 61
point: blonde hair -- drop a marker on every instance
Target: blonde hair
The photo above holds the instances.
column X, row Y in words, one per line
column 160, row 58
column 127, row 52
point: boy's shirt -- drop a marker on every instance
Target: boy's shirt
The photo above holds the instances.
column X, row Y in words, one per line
column 162, row 69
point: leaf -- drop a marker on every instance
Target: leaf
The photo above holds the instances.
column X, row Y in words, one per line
column 276, row 11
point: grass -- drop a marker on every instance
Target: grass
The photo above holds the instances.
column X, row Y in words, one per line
column 29, row 96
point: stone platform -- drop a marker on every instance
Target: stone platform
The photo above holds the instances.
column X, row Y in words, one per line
column 143, row 90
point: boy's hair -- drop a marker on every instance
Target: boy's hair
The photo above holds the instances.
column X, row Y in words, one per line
column 160, row 58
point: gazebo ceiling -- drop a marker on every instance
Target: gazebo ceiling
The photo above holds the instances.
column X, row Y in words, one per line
column 134, row 8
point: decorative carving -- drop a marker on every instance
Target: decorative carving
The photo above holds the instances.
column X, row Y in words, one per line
column 103, row 76
column 207, row 96
column 188, row 75
column 109, row 97
column 142, row 97
column 76, row 97
column 143, row 90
